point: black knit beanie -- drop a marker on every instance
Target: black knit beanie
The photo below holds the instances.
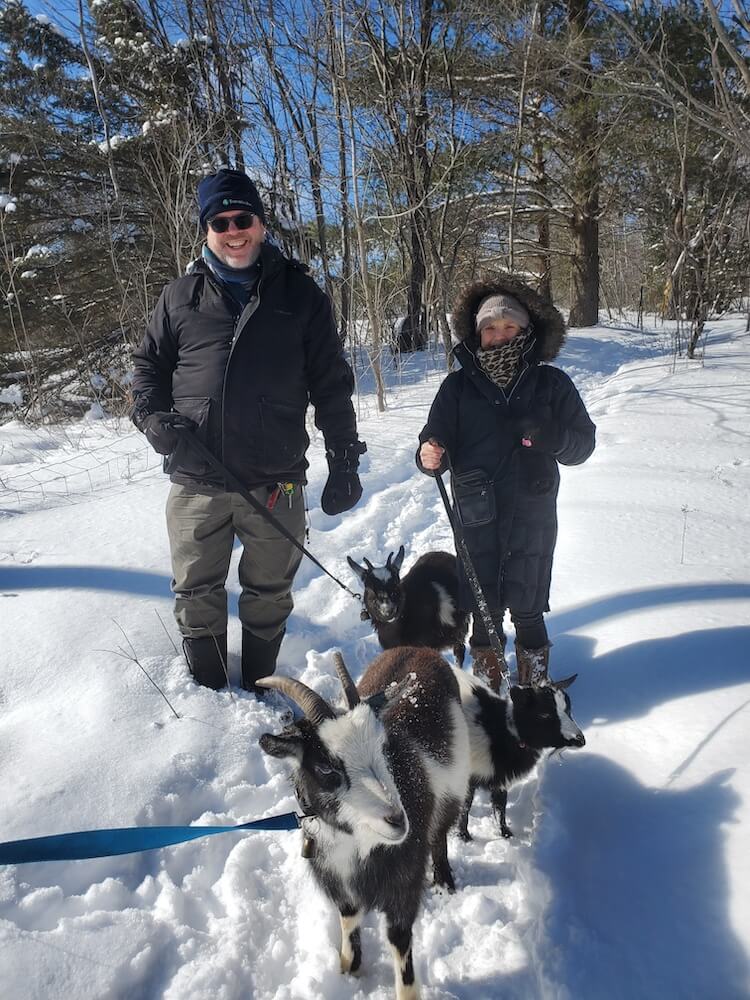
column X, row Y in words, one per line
column 226, row 190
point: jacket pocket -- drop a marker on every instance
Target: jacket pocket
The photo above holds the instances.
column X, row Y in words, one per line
column 475, row 498
column 285, row 439
column 539, row 474
column 184, row 458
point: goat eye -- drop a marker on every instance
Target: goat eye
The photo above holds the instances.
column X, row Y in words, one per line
column 324, row 770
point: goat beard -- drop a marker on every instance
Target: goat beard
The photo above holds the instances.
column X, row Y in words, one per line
column 377, row 617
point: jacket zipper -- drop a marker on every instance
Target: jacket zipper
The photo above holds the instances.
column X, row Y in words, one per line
column 240, row 323
column 520, row 374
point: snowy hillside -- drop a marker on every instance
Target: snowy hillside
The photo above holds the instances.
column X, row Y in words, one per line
column 629, row 875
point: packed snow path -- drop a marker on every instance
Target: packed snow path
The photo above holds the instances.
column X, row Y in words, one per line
column 628, row 876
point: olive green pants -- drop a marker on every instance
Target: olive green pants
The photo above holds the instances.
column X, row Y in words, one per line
column 202, row 527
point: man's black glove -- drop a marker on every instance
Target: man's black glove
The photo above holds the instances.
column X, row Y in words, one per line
column 162, row 430
column 343, row 488
column 540, row 431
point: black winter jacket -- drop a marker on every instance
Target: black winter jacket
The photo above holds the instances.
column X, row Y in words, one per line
column 506, row 494
column 246, row 376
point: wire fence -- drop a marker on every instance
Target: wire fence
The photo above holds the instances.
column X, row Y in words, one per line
column 85, row 471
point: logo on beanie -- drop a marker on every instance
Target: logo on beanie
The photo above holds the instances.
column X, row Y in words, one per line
column 226, row 201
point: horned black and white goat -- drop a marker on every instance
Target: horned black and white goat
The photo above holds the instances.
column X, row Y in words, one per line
column 420, row 610
column 380, row 784
column 509, row 733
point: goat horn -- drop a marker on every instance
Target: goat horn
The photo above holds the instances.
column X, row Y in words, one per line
column 367, row 563
column 315, row 708
column 350, row 689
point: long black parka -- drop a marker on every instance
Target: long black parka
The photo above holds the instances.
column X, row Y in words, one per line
column 506, row 494
column 246, row 376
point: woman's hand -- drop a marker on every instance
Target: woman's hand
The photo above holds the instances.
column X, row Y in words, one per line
column 431, row 455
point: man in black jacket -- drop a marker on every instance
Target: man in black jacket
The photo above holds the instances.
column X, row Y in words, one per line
column 234, row 353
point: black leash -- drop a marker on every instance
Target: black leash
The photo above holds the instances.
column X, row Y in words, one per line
column 236, row 486
column 471, row 573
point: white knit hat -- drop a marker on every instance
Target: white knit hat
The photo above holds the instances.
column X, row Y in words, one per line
column 501, row 307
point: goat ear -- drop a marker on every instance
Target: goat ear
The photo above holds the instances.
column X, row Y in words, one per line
column 289, row 745
column 359, row 570
column 377, row 702
column 398, row 560
column 398, row 690
column 561, row 685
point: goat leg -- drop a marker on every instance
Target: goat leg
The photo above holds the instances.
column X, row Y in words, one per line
column 440, row 865
column 400, row 939
column 499, row 798
column 463, row 818
column 351, row 939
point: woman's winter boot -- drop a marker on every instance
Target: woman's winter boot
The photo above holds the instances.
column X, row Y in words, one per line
column 488, row 666
column 532, row 664
column 258, row 658
column 207, row 659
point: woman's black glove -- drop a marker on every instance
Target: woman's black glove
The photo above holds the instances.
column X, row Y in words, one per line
column 343, row 488
column 540, row 431
column 162, row 430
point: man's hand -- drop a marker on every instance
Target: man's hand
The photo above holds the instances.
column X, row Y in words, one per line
column 431, row 455
column 343, row 488
column 162, row 430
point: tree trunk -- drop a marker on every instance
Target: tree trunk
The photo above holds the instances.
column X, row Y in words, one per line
column 413, row 333
column 584, row 223
column 584, row 308
column 544, row 284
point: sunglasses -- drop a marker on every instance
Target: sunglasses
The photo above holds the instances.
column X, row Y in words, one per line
column 242, row 221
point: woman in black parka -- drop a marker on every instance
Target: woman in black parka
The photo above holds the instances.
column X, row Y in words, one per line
column 501, row 424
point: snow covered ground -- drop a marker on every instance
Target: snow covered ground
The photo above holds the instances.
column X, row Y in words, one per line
column 629, row 875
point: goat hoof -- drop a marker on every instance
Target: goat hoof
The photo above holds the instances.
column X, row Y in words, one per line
column 445, row 882
column 506, row 832
column 465, row 836
column 351, row 966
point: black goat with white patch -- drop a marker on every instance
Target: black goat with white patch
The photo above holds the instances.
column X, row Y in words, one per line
column 420, row 610
column 508, row 734
column 381, row 785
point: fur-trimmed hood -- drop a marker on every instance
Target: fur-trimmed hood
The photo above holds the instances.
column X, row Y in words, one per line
column 547, row 322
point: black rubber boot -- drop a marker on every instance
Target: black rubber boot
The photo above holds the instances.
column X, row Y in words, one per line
column 207, row 660
column 258, row 658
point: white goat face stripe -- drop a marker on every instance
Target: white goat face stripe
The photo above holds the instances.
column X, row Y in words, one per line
column 383, row 574
column 568, row 727
column 359, row 739
column 510, row 720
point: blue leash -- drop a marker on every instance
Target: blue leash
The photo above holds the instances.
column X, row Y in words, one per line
column 125, row 840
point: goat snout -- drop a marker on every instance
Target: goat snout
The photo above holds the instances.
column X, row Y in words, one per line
column 387, row 611
column 579, row 740
column 396, row 824
column 396, row 820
